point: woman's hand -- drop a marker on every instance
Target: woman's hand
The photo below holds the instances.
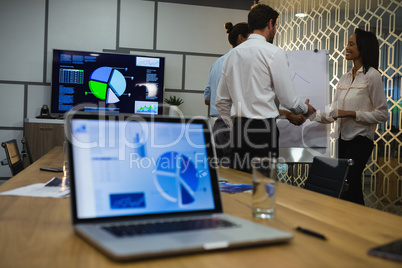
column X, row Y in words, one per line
column 335, row 114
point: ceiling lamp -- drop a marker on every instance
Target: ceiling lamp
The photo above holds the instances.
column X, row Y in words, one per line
column 301, row 15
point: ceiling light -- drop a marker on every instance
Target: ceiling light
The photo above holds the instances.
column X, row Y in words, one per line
column 301, row 15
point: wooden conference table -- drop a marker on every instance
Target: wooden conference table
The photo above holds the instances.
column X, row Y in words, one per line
column 37, row 232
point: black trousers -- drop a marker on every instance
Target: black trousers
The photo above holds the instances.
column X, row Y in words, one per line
column 359, row 149
column 253, row 138
column 222, row 138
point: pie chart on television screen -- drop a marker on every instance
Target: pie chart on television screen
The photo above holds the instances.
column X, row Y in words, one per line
column 107, row 84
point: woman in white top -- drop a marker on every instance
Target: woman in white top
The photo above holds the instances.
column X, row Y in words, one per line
column 359, row 105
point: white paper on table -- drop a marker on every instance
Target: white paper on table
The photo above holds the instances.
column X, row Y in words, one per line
column 39, row 190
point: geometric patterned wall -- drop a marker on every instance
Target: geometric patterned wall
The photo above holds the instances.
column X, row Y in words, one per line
column 328, row 26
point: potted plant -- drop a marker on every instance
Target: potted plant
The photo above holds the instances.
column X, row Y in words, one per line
column 174, row 102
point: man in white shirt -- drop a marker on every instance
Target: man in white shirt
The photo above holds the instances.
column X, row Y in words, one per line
column 256, row 77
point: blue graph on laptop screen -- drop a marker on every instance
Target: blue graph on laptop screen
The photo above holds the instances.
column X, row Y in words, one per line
column 134, row 168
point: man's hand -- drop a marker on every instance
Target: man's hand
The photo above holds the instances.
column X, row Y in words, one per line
column 296, row 120
column 311, row 110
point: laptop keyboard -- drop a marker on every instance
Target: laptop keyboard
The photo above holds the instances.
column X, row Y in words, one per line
column 166, row 227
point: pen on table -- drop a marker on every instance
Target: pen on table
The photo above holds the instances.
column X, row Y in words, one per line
column 312, row 233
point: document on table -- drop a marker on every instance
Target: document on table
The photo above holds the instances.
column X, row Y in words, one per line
column 232, row 188
column 52, row 189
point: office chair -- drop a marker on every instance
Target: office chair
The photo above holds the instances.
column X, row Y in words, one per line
column 328, row 175
column 25, row 150
column 13, row 155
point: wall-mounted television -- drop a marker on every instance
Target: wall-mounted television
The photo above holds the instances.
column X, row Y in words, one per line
column 106, row 82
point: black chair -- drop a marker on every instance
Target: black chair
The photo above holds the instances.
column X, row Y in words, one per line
column 26, row 153
column 328, row 175
column 13, row 155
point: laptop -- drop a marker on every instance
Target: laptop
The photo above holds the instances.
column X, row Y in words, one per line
column 146, row 186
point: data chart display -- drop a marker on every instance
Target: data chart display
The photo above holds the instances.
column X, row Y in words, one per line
column 159, row 171
column 106, row 82
column 177, row 181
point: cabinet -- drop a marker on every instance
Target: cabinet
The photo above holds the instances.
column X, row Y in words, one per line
column 43, row 135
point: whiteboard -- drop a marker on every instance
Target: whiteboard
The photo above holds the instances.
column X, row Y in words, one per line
column 309, row 71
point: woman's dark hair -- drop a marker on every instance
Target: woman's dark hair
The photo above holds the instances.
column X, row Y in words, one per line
column 369, row 49
column 260, row 15
column 234, row 31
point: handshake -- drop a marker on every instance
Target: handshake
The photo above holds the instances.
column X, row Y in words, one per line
column 300, row 118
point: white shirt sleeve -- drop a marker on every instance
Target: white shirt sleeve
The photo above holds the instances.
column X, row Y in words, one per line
column 222, row 102
column 323, row 116
column 377, row 97
column 283, row 84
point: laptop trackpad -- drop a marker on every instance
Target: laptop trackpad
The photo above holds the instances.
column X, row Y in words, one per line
column 202, row 237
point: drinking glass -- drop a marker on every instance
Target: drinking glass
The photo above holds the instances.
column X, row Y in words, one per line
column 265, row 177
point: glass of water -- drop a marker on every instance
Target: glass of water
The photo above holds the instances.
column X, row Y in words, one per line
column 265, row 177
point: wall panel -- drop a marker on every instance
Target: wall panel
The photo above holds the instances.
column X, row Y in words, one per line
column 88, row 25
column 22, row 39
column 197, row 70
column 195, row 28
column 11, row 105
column 136, row 24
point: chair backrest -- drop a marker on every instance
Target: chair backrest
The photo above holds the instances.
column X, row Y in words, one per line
column 13, row 155
column 328, row 175
column 25, row 150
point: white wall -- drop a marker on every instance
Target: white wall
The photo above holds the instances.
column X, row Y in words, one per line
column 190, row 37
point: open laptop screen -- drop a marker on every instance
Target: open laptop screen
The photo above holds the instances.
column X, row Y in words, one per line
column 139, row 167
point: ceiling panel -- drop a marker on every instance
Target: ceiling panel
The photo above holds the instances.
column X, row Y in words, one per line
column 304, row 5
column 235, row 4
